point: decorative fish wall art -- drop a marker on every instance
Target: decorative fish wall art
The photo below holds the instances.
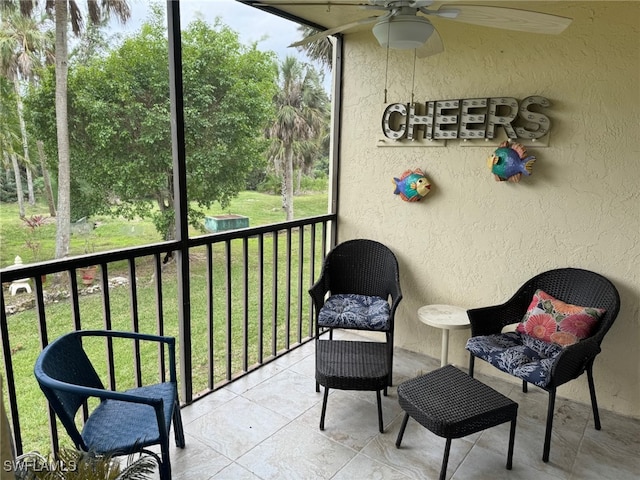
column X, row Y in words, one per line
column 510, row 161
column 412, row 185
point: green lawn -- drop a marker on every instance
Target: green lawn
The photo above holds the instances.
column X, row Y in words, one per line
column 113, row 233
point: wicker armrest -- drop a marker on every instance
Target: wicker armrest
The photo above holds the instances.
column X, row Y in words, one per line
column 318, row 292
column 396, row 296
column 491, row 320
column 573, row 361
column 169, row 341
column 131, row 335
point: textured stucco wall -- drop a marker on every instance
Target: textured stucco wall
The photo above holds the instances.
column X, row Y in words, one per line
column 473, row 241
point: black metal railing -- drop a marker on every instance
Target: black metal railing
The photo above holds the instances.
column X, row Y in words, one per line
column 247, row 304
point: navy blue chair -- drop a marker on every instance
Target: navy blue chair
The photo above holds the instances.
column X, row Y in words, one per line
column 124, row 422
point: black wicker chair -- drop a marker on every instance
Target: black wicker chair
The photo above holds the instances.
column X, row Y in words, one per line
column 124, row 422
column 358, row 289
column 572, row 286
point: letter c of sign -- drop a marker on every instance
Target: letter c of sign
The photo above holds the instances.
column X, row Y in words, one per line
column 393, row 127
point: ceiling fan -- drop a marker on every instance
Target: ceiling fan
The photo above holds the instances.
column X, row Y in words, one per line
column 406, row 25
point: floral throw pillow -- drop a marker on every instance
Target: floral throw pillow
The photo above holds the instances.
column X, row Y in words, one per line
column 553, row 320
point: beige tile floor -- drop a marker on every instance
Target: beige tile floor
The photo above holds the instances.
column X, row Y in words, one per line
column 265, row 426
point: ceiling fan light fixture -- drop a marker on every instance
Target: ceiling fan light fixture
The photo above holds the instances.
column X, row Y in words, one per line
column 403, row 32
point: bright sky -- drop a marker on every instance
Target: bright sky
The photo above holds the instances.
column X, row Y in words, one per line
column 253, row 25
column 270, row 31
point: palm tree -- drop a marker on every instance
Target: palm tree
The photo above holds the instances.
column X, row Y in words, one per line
column 300, row 106
column 65, row 12
column 320, row 51
column 10, row 139
column 24, row 44
column 317, row 147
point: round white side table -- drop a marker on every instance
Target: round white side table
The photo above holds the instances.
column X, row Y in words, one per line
column 445, row 317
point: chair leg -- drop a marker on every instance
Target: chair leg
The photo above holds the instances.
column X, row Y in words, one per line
column 524, row 386
column 547, row 434
column 165, row 470
column 390, row 342
column 401, row 432
column 159, row 460
column 324, row 407
column 512, row 436
column 445, row 460
column 178, row 429
column 592, row 392
column 380, row 422
column 471, row 364
column 316, row 345
column 165, row 464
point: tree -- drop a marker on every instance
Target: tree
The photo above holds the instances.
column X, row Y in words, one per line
column 65, row 12
column 301, row 106
column 25, row 43
column 92, row 42
column 320, row 51
column 120, row 122
column 68, row 12
column 10, row 139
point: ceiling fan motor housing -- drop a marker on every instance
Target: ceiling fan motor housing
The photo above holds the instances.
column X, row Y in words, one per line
column 403, row 31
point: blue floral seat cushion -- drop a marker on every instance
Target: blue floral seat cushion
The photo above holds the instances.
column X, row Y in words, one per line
column 518, row 354
column 348, row 310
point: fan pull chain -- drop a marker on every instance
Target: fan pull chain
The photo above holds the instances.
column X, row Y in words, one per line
column 413, row 78
column 386, row 71
column 386, row 68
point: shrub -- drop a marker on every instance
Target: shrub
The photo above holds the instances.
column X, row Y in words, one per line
column 8, row 191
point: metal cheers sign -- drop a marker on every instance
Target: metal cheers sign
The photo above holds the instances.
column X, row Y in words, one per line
column 468, row 119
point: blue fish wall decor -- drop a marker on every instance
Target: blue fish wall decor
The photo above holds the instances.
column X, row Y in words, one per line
column 412, row 185
column 510, row 161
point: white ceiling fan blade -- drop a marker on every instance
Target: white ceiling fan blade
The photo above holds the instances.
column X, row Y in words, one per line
column 431, row 47
column 329, row 4
column 420, row 3
column 333, row 31
column 505, row 18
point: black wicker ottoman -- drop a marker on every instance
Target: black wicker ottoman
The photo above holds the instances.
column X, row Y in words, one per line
column 451, row 404
column 352, row 365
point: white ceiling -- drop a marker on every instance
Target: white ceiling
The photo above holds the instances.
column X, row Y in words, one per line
column 333, row 13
